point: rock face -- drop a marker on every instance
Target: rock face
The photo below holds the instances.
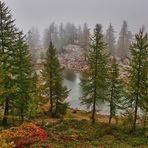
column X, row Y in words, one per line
column 73, row 58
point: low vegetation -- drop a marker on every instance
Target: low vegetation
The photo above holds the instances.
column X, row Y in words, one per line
column 75, row 130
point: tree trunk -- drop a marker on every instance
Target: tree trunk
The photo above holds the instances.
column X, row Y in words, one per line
column 94, row 105
column 51, row 105
column 111, row 109
column 22, row 115
column 95, row 90
column 51, row 86
column 5, row 122
column 85, row 56
column 51, row 99
column 22, row 118
column 57, row 103
column 111, row 103
column 94, row 110
column 110, row 118
column 137, row 95
column 135, row 116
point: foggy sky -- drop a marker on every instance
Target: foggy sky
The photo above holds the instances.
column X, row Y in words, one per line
column 40, row 13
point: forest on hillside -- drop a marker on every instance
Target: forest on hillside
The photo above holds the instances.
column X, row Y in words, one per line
column 69, row 34
column 34, row 109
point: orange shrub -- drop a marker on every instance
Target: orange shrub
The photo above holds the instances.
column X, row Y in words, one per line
column 24, row 134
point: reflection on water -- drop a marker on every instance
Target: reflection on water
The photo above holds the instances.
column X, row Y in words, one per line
column 72, row 80
column 69, row 75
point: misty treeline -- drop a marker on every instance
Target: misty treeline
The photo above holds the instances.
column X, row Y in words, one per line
column 23, row 93
column 65, row 34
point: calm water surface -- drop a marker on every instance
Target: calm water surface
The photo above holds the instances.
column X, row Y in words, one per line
column 72, row 80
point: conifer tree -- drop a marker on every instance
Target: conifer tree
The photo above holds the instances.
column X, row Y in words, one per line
column 7, row 40
column 23, row 75
column 138, row 73
column 61, row 93
column 15, row 66
column 94, row 87
column 61, row 37
column 85, row 40
column 124, row 41
column 33, row 40
column 52, row 76
column 115, row 88
column 110, row 40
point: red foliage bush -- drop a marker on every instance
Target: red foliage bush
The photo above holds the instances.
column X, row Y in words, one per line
column 25, row 134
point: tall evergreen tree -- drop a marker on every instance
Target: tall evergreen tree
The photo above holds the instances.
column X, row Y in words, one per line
column 115, row 88
column 124, row 41
column 110, row 40
column 52, row 76
column 23, row 75
column 80, row 35
column 70, row 33
column 61, row 37
column 94, row 87
column 51, row 34
column 33, row 39
column 138, row 73
column 15, row 66
column 85, row 40
column 60, row 92
column 48, row 34
column 7, row 40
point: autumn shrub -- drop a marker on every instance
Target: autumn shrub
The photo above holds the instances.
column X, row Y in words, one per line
column 5, row 142
column 25, row 133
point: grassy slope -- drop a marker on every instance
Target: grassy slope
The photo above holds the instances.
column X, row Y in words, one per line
column 77, row 131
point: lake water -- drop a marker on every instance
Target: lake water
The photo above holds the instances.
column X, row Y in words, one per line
column 72, row 80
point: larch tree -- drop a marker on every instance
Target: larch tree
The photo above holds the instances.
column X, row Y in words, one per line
column 52, row 77
column 110, row 40
column 7, row 40
column 33, row 41
column 48, row 34
column 51, row 34
column 94, row 87
column 61, row 37
column 23, row 75
column 70, row 33
column 115, row 88
column 15, row 66
column 85, row 40
column 138, row 74
column 124, row 41
column 79, row 35
column 60, row 92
